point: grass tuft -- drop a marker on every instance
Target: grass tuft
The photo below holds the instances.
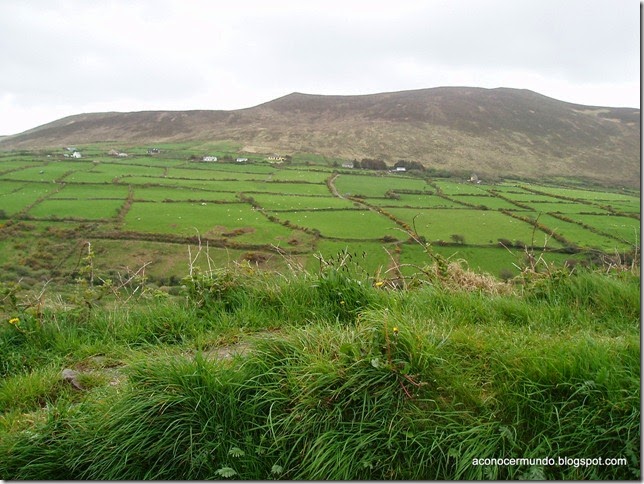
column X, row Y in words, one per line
column 328, row 376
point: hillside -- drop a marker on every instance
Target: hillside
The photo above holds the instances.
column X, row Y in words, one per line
column 495, row 132
column 326, row 375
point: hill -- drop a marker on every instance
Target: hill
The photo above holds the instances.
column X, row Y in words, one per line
column 494, row 132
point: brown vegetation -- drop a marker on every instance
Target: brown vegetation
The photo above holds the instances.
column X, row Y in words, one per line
column 496, row 132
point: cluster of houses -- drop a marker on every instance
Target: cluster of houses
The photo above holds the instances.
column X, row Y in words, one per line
column 117, row 153
column 214, row 158
column 73, row 152
column 395, row 169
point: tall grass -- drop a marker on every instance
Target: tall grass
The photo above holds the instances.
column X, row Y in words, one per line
column 339, row 379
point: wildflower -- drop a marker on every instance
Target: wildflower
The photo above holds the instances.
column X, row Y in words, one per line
column 341, row 302
column 395, row 330
column 14, row 321
column 379, row 283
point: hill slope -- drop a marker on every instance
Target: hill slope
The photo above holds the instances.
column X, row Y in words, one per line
column 491, row 131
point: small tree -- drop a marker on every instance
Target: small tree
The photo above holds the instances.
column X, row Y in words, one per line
column 392, row 195
column 458, row 238
column 506, row 274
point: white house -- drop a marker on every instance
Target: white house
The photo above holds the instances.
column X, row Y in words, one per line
column 209, row 158
column 76, row 154
column 347, row 164
column 241, row 160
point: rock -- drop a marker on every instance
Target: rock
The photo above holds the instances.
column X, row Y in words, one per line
column 71, row 376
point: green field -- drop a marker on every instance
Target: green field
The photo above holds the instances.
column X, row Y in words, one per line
column 15, row 197
column 159, row 194
column 302, row 208
column 490, row 202
column 377, row 186
column 77, row 209
column 92, row 192
column 421, row 201
column 280, row 203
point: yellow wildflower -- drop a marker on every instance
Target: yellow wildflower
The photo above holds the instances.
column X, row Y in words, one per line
column 395, row 330
column 379, row 283
column 14, row 321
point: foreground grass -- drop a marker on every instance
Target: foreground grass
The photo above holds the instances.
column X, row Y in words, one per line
column 330, row 376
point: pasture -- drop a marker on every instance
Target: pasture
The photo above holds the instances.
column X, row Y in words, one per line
column 306, row 208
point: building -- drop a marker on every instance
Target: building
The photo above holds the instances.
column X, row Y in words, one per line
column 241, row 160
column 209, row 158
column 77, row 154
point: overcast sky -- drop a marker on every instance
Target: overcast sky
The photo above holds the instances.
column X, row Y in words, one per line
column 64, row 57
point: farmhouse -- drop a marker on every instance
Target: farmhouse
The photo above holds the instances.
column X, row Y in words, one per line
column 241, row 160
column 209, row 158
column 153, row 151
column 276, row 158
column 347, row 164
column 77, row 154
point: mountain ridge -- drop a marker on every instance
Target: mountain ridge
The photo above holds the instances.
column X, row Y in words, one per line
column 500, row 132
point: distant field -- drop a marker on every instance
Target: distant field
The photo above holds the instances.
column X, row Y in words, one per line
column 421, row 201
column 276, row 202
column 46, row 173
column 353, row 224
column 205, row 174
column 78, row 209
column 92, row 192
column 478, row 227
column 137, row 207
column 377, row 186
column 490, row 202
column 15, row 197
column 566, row 207
column 159, row 194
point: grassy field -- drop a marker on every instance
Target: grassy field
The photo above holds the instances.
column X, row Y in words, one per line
column 303, row 207
column 325, row 374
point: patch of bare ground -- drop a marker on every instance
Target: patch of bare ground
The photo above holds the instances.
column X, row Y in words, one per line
column 228, row 351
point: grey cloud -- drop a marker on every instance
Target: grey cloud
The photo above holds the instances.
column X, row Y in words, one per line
column 221, row 54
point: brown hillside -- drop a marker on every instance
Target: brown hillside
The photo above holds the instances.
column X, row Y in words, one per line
column 491, row 131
